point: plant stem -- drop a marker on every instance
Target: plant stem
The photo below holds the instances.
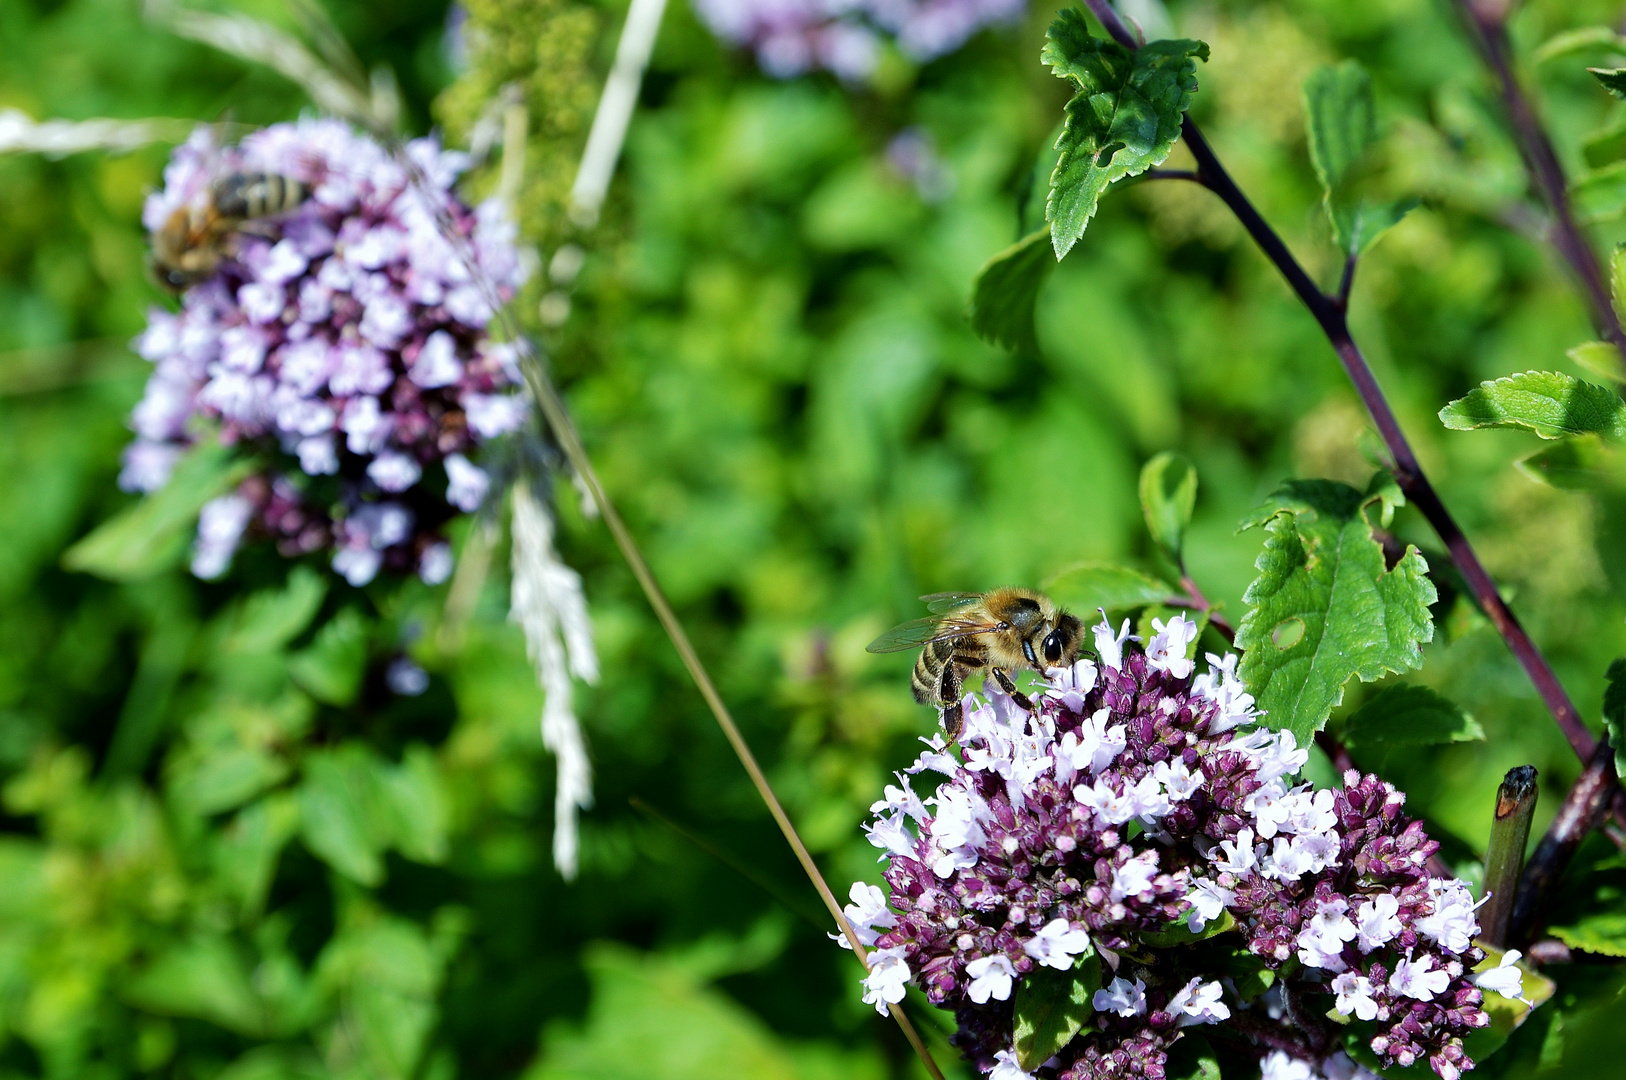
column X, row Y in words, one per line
column 1581, row 812
column 558, row 419
column 1487, row 23
column 1408, row 471
column 1504, row 858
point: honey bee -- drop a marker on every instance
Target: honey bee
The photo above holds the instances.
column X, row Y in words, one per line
column 197, row 237
column 998, row 632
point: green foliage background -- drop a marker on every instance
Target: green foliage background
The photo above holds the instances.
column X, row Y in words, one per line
column 227, row 850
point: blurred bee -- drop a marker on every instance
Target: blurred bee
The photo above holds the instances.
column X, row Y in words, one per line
column 192, row 243
column 998, row 632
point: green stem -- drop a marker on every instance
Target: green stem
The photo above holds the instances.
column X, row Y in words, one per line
column 1504, row 859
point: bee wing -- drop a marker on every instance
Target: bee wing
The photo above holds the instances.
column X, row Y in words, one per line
column 918, row 632
column 940, row 602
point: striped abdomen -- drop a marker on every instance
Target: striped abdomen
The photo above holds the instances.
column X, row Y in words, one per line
column 256, row 195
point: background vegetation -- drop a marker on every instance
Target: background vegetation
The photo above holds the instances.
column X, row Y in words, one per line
column 227, row 849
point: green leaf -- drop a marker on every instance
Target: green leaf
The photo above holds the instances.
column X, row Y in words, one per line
column 1605, row 147
column 331, row 668
column 1603, row 933
column 1123, row 120
column 153, row 535
column 1598, row 357
column 343, row 815
column 1600, row 195
column 1582, row 39
column 1408, row 716
column 1617, row 281
column 1611, row 79
column 1168, row 492
column 1580, row 464
column 1614, row 712
column 1006, row 290
column 1248, row 973
column 1341, row 121
column 1052, row 1007
column 1192, row 1058
column 1324, row 607
column 1180, row 933
column 1087, row 586
column 270, row 618
column 205, row 979
column 1547, row 402
column 1340, row 116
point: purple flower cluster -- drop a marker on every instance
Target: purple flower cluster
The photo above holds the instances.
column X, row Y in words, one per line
column 1128, row 806
column 342, row 341
column 791, row 37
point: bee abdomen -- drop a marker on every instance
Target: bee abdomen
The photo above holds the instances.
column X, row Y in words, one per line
column 257, row 195
column 925, row 678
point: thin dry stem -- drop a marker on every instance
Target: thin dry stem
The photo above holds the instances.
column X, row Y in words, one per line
column 564, row 431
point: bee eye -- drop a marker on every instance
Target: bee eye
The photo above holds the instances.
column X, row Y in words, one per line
column 1052, row 647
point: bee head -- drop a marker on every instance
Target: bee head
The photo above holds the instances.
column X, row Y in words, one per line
column 1060, row 645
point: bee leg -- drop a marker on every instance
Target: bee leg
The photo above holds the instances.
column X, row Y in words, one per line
column 1022, row 700
column 948, row 692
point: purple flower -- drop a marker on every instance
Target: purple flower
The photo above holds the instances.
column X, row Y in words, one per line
column 1125, row 806
column 791, row 37
column 342, row 341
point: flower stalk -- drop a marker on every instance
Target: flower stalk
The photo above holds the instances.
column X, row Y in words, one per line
column 1581, row 812
column 1504, row 858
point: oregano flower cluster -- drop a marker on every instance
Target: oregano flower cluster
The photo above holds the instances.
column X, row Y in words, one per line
column 1138, row 842
column 343, row 343
column 845, row 37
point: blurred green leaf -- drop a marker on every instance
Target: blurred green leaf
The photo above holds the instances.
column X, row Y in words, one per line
column 1325, row 608
column 1168, row 493
column 205, row 978
column 216, row 778
column 650, row 1021
column 153, row 535
column 1124, row 118
column 270, row 618
column 1617, row 281
column 330, row 669
column 342, row 815
column 1342, row 127
column 1087, row 586
column 1408, row 715
column 1549, row 403
column 246, row 850
column 1581, row 464
column 1600, row 195
column 1052, row 1007
column 1582, row 39
column 1192, row 1058
column 1006, row 289
column 1599, row 357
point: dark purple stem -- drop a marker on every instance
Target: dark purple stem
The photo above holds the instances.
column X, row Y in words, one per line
column 1487, row 22
column 1407, row 471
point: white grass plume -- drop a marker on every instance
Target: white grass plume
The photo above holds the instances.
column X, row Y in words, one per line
column 548, row 604
column 21, row 133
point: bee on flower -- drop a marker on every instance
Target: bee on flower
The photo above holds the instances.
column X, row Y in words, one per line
column 1101, row 826
column 333, row 333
